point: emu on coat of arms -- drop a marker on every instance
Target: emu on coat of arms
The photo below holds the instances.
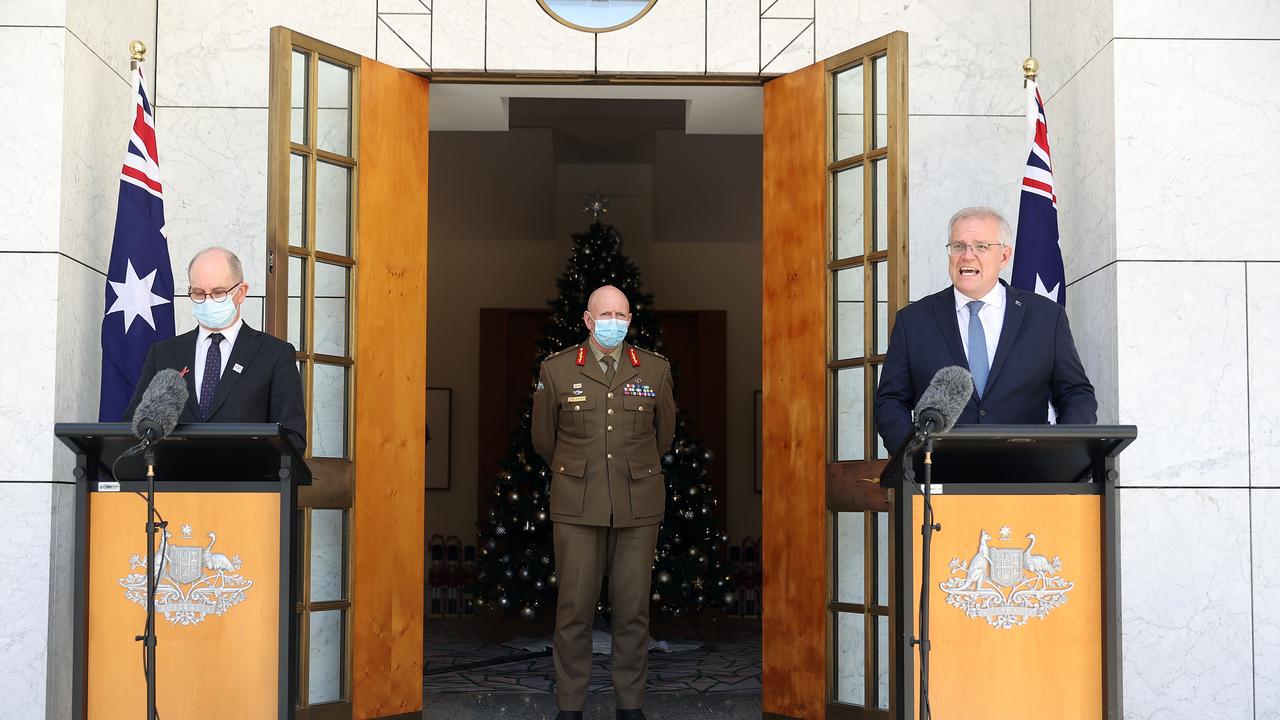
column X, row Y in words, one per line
column 192, row 581
column 1006, row 585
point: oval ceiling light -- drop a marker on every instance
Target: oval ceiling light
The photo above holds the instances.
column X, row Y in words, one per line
column 597, row 16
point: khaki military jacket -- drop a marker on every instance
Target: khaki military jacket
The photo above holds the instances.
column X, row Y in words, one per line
column 604, row 441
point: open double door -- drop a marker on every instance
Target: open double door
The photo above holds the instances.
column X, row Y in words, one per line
column 346, row 283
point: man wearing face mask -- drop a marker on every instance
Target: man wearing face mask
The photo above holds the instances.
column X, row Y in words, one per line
column 233, row 372
column 603, row 416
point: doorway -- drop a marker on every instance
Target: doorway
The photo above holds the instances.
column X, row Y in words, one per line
column 506, row 202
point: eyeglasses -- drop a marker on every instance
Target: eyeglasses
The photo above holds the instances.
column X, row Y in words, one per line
column 607, row 315
column 980, row 248
column 199, row 296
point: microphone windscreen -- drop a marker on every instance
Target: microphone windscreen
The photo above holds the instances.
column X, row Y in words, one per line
column 161, row 404
column 948, row 393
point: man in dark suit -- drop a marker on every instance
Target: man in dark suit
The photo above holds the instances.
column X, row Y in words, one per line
column 1017, row 344
column 233, row 372
column 603, row 415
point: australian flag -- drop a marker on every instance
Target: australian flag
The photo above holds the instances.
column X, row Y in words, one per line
column 1037, row 259
column 139, row 289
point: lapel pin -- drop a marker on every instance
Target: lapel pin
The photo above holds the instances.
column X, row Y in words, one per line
column 238, row 368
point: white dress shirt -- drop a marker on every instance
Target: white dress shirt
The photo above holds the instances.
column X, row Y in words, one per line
column 991, row 314
column 202, row 350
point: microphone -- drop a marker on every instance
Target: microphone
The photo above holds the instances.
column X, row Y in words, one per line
column 942, row 402
column 161, row 404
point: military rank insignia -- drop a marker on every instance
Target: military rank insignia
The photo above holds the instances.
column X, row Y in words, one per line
column 638, row 390
column 582, row 356
column 635, row 357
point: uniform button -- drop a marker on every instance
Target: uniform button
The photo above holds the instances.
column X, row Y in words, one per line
column 610, row 396
column 577, row 408
column 609, row 456
column 610, row 411
column 640, row 408
column 610, row 428
column 561, row 468
column 982, row 413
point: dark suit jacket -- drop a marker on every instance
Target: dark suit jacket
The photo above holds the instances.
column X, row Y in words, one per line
column 268, row 388
column 1035, row 362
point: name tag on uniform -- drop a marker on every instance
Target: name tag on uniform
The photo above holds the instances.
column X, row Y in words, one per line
column 238, row 368
column 578, row 398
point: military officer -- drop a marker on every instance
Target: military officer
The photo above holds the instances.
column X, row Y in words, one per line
column 603, row 416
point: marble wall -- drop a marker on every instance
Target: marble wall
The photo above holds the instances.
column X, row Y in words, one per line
column 1165, row 133
column 1171, row 252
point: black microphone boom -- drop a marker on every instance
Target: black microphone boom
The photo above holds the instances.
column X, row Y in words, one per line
column 161, row 404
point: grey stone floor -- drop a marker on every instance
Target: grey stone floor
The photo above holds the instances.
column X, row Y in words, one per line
column 538, row 706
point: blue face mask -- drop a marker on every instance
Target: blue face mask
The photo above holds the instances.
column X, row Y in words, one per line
column 610, row 332
column 215, row 314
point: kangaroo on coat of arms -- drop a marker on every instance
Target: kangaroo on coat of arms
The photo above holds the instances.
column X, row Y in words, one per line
column 1006, row 585
column 192, row 581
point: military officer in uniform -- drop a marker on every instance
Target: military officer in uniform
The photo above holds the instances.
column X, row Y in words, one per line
column 603, row 416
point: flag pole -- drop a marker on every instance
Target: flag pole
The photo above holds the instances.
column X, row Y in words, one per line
column 1030, row 68
column 137, row 53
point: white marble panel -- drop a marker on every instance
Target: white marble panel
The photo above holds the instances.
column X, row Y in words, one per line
column 328, row 547
column 957, row 162
column 97, row 115
column 1265, row 507
column 215, row 169
column 30, row 313
column 965, row 57
column 1197, row 144
column 405, row 41
column 24, row 597
column 324, row 654
column 733, row 36
column 217, row 54
column 107, row 28
column 786, row 9
column 1091, row 310
column 1182, row 373
column 31, row 140
column 1264, row 369
column 34, row 13
column 670, row 38
column 520, row 35
column 78, row 371
column 1064, row 36
column 404, row 6
column 785, row 45
column 1082, row 138
column 458, row 38
column 1185, row 605
column 61, row 600
column 1252, row 19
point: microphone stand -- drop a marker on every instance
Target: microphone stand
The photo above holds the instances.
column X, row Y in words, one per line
column 148, row 638
column 924, row 440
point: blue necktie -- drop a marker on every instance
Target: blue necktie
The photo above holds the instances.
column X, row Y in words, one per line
column 979, row 366
column 212, row 373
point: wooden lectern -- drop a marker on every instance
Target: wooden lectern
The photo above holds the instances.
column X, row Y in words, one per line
column 1023, row 582
column 226, row 627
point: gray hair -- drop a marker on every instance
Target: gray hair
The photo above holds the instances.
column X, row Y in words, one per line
column 237, row 270
column 979, row 211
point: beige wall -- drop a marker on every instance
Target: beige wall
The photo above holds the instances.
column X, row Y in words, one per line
column 502, row 212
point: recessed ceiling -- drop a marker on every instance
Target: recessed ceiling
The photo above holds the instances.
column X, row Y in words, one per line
column 708, row 110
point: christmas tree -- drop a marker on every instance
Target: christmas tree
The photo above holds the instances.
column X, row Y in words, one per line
column 516, row 569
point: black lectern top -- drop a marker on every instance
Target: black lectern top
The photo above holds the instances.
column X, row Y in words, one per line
column 1018, row 453
column 202, row 452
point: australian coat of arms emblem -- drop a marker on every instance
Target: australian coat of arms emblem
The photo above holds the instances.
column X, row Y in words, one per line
column 193, row 580
column 1006, row 585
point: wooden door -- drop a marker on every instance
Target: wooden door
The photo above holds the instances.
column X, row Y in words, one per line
column 835, row 258
column 346, row 284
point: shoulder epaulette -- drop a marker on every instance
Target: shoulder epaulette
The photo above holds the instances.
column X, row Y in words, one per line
column 658, row 355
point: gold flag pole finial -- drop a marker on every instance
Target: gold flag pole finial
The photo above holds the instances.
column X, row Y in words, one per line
column 137, row 51
column 1030, row 68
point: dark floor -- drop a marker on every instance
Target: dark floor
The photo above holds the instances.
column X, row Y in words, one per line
column 720, row 678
